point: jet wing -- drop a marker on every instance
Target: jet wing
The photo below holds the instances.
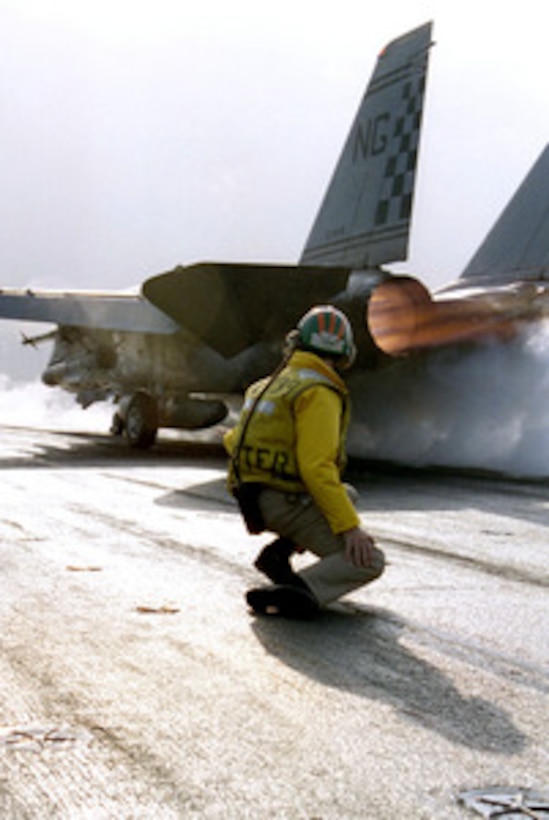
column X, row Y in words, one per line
column 124, row 312
column 232, row 306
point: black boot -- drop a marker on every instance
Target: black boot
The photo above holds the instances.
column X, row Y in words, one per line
column 284, row 601
column 274, row 562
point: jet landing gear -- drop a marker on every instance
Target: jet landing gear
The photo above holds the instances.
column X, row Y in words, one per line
column 140, row 414
column 138, row 419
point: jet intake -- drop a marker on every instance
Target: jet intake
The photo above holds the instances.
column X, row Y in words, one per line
column 402, row 316
column 68, row 372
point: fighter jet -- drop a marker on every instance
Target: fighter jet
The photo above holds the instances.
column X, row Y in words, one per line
column 170, row 355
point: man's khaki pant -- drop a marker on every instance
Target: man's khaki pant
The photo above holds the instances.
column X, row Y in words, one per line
column 296, row 516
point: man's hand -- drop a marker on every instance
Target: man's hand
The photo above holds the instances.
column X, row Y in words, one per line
column 358, row 547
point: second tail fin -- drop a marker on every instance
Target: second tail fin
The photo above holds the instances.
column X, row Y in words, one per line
column 517, row 247
column 364, row 219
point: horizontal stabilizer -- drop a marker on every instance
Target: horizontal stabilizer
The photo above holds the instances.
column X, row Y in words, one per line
column 364, row 219
column 517, row 247
column 231, row 306
column 124, row 312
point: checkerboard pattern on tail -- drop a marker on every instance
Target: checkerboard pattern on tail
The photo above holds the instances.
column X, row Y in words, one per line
column 395, row 202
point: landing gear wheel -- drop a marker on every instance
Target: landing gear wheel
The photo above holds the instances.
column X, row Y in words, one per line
column 141, row 421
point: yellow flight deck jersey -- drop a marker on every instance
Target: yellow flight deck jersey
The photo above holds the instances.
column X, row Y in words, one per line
column 295, row 440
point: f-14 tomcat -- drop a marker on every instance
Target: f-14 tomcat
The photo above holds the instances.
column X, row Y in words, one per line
column 171, row 354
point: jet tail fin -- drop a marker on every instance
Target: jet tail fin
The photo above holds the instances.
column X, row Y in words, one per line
column 364, row 219
column 517, row 247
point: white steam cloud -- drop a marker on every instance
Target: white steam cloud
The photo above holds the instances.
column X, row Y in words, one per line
column 477, row 408
column 35, row 405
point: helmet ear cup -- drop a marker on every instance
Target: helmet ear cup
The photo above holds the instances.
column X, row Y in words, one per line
column 292, row 341
column 347, row 361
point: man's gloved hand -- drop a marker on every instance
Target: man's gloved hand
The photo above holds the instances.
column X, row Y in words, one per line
column 359, row 547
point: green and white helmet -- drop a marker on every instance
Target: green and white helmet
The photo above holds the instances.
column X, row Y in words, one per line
column 327, row 331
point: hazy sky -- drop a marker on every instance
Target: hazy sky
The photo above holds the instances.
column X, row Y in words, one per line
column 140, row 135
